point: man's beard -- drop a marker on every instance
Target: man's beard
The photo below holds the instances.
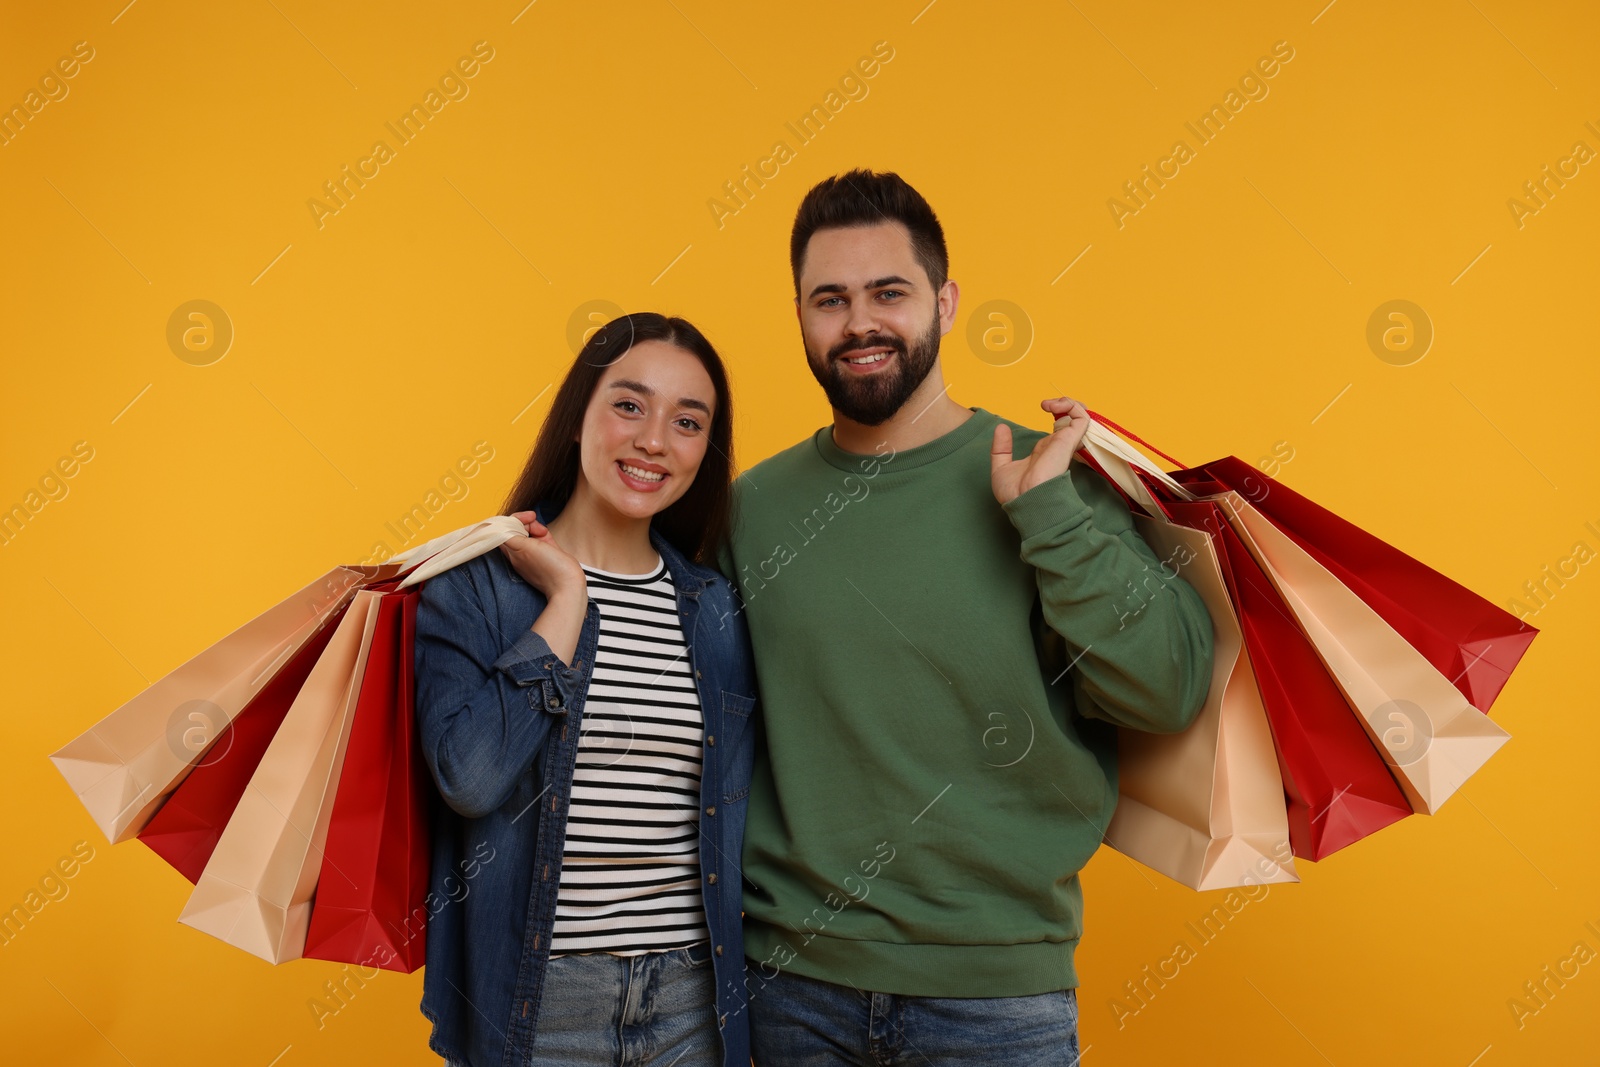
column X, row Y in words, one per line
column 872, row 399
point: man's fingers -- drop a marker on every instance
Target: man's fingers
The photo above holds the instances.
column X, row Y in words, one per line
column 1064, row 407
column 1000, row 448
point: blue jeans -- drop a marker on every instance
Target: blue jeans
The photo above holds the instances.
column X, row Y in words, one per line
column 629, row 1011
column 797, row 1021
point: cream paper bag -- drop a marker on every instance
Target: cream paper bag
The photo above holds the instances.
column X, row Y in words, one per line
column 1205, row 806
column 125, row 765
column 255, row 892
column 129, row 762
column 1431, row 738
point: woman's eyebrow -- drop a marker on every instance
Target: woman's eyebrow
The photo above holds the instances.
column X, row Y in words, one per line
column 640, row 387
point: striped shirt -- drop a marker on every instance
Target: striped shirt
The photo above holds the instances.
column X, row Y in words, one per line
column 630, row 870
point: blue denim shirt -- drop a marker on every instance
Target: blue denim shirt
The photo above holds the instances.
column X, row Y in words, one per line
column 498, row 717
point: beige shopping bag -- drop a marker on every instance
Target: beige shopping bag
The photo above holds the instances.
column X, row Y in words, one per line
column 1432, row 739
column 128, row 763
column 124, row 766
column 255, row 892
column 1205, row 807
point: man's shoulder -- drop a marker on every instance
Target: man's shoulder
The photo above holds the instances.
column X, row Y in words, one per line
column 779, row 472
column 1023, row 438
column 767, row 493
column 799, row 456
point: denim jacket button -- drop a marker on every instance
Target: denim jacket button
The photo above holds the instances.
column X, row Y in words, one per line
column 711, row 879
column 711, row 810
column 719, row 950
column 711, row 739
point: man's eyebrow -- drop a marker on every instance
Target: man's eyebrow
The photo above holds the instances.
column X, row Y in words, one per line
column 831, row 287
column 892, row 279
column 639, row 387
column 876, row 283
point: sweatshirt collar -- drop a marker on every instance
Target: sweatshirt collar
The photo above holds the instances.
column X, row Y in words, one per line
column 981, row 424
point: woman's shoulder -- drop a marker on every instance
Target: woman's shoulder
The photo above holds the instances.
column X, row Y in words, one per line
column 682, row 567
column 717, row 591
column 485, row 578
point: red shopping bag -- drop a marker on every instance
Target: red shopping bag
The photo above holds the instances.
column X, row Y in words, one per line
column 185, row 829
column 1466, row 638
column 369, row 906
column 1337, row 785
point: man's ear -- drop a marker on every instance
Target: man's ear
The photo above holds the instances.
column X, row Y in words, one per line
column 949, row 299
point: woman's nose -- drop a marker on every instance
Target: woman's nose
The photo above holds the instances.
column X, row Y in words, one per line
column 651, row 437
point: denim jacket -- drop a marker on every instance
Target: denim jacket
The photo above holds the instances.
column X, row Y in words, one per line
column 498, row 716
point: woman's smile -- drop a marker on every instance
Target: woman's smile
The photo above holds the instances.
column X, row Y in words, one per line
column 640, row 476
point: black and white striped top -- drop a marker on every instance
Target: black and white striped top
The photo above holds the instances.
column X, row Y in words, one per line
column 630, row 871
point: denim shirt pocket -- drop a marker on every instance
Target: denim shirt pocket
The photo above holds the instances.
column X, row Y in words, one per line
column 736, row 711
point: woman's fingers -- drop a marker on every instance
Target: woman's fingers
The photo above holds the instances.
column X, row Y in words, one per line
column 530, row 523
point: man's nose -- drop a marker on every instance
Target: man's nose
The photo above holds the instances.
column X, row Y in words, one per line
column 862, row 320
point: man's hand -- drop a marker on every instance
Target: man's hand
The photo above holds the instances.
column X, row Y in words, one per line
column 1011, row 478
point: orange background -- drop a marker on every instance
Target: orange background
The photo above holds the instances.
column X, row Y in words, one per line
column 1228, row 314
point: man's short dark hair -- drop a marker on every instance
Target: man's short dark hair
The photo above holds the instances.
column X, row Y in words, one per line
column 862, row 198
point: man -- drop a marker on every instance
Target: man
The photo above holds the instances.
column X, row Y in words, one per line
column 939, row 601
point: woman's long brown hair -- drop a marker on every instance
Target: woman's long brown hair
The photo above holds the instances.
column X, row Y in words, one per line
column 697, row 521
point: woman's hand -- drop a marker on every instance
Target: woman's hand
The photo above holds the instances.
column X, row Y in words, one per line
column 1010, row 478
column 542, row 562
column 557, row 574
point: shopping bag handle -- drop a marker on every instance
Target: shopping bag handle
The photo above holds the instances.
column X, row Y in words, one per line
column 456, row 547
column 1130, row 435
column 1121, row 462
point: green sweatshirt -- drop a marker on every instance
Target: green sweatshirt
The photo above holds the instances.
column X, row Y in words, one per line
column 939, row 677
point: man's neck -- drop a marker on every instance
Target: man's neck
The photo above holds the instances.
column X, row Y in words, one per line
column 927, row 415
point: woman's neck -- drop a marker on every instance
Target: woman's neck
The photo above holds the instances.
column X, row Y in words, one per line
column 600, row 537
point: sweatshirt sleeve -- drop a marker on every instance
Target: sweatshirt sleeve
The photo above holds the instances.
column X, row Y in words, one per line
column 1140, row 640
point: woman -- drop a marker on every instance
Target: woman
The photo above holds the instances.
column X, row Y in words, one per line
column 583, row 700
